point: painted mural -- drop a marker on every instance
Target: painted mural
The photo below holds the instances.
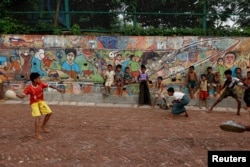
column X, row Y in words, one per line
column 79, row 62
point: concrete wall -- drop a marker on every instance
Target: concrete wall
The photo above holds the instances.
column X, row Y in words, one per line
column 163, row 56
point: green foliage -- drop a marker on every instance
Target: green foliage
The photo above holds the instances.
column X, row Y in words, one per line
column 139, row 31
column 56, row 31
column 75, row 29
column 151, row 17
column 11, row 26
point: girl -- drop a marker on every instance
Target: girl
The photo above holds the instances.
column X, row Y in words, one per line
column 144, row 95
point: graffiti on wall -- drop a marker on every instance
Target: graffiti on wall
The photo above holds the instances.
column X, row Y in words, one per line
column 80, row 61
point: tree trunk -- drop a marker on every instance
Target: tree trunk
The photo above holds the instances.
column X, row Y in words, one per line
column 58, row 4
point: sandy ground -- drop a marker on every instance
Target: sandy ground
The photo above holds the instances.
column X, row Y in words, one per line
column 102, row 136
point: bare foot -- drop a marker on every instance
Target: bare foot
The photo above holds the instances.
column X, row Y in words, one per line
column 246, row 108
column 39, row 137
column 209, row 110
column 238, row 113
column 186, row 114
column 45, row 130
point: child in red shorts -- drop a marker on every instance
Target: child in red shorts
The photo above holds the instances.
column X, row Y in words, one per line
column 203, row 90
column 37, row 103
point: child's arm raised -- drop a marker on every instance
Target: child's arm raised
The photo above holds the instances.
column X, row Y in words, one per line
column 59, row 90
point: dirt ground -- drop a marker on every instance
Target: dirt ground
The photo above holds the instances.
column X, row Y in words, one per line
column 102, row 136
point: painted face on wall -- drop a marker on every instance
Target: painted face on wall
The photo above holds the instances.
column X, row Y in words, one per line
column 40, row 54
column 31, row 52
column 229, row 59
column 70, row 57
column 220, row 62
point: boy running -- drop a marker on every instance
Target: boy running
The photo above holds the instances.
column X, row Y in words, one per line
column 228, row 90
column 37, row 103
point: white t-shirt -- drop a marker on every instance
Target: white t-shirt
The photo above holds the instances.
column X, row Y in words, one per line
column 235, row 81
column 178, row 95
column 110, row 75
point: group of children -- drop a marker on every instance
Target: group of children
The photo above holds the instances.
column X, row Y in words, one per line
column 211, row 80
column 39, row 106
column 117, row 77
column 120, row 79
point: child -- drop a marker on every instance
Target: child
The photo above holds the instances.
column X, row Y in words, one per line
column 181, row 100
column 203, row 90
column 109, row 79
column 144, row 95
column 228, row 90
column 1, row 86
column 247, row 92
column 238, row 73
column 192, row 80
column 37, row 103
column 210, row 79
column 127, row 77
column 217, row 82
column 159, row 86
column 119, row 79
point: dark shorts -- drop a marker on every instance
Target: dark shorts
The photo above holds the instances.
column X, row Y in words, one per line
column 191, row 84
column 229, row 92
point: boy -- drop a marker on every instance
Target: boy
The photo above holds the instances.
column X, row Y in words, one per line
column 203, row 90
column 210, row 79
column 246, row 97
column 109, row 79
column 38, row 105
column 179, row 102
column 192, row 80
column 127, row 77
column 159, row 86
column 119, row 79
column 228, row 90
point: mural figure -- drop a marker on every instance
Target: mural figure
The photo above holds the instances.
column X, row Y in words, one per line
column 36, row 63
column 14, row 65
column 229, row 60
column 27, row 57
column 134, row 66
column 221, row 69
column 69, row 66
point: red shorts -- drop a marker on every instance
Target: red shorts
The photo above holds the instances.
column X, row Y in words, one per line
column 203, row 94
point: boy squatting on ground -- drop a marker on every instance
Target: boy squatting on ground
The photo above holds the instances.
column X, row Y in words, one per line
column 228, row 90
column 179, row 102
column 37, row 103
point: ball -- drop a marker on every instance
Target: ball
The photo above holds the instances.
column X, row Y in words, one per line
column 10, row 94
